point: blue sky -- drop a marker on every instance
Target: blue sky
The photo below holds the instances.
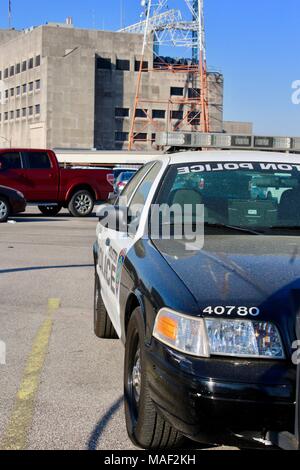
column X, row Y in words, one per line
column 255, row 43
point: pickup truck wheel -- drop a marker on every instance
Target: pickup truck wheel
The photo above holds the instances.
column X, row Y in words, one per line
column 4, row 210
column 81, row 204
column 50, row 210
column 145, row 426
column 103, row 326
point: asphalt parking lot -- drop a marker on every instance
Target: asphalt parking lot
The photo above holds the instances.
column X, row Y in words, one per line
column 61, row 387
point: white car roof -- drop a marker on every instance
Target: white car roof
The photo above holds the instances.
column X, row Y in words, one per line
column 232, row 156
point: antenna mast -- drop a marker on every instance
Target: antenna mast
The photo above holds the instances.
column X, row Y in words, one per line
column 172, row 28
column 9, row 15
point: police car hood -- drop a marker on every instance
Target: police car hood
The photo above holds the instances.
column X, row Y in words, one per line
column 239, row 268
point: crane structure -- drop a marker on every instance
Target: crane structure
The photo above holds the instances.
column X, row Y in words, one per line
column 175, row 27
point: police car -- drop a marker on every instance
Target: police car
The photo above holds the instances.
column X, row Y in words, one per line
column 207, row 315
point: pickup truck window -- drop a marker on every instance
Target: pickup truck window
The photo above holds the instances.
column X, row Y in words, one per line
column 37, row 160
column 10, row 161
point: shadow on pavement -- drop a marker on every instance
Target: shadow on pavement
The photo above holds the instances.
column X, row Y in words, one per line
column 102, row 424
column 42, row 268
column 32, row 218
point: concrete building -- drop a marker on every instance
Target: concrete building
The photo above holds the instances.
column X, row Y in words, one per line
column 235, row 127
column 63, row 87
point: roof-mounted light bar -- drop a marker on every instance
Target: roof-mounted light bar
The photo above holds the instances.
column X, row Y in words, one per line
column 228, row 141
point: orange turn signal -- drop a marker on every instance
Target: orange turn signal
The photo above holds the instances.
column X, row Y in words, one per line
column 167, row 327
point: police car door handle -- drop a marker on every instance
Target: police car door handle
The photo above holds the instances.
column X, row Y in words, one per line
column 107, row 242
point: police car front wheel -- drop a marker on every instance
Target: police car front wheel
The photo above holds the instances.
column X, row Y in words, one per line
column 146, row 428
column 103, row 326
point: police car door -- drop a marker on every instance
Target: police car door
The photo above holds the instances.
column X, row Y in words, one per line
column 112, row 248
column 119, row 244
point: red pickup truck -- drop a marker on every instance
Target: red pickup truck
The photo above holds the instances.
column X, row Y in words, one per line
column 37, row 174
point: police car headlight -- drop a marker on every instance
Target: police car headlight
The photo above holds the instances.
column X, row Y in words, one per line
column 244, row 338
column 181, row 332
column 205, row 337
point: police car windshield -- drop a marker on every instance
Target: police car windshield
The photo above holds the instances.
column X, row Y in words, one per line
column 249, row 195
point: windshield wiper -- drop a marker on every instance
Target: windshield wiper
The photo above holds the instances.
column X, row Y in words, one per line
column 232, row 227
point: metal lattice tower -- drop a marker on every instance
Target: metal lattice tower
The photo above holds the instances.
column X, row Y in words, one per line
column 174, row 28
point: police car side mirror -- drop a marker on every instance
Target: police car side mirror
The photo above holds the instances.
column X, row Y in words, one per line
column 113, row 217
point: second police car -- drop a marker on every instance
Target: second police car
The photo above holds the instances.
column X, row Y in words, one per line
column 207, row 315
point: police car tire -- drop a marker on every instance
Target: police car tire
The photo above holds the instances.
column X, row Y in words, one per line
column 103, row 326
column 146, row 427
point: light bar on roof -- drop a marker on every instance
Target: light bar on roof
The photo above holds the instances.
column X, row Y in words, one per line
column 201, row 140
column 241, row 141
column 296, row 144
column 227, row 141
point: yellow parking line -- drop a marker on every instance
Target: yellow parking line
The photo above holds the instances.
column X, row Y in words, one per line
column 15, row 437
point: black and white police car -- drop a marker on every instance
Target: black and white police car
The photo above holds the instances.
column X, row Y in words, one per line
column 208, row 322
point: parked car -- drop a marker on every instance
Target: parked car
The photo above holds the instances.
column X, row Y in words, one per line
column 122, row 180
column 37, row 174
column 11, row 202
column 207, row 323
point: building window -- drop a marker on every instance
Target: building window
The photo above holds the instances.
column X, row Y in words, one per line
column 37, row 109
column 24, row 88
column 176, row 91
column 18, row 90
column 12, row 114
column 24, row 112
column 18, row 113
column 30, row 63
column 142, row 136
column 103, row 63
column 194, row 118
column 38, row 84
column 6, row 73
column 18, row 68
column 30, row 87
column 137, row 65
column 121, row 136
column 158, row 114
column 123, row 64
column 153, row 137
column 6, row 94
column 141, row 113
column 176, row 114
column 0, row 75
column 38, row 61
column 24, row 66
column 6, row 116
column 12, row 92
column 121, row 112
column 30, row 111
column 12, row 71
column 194, row 92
